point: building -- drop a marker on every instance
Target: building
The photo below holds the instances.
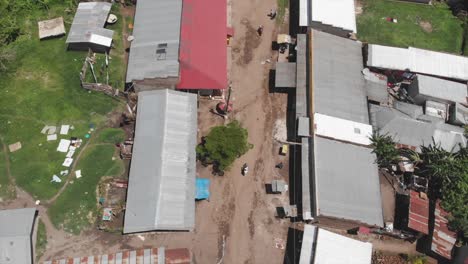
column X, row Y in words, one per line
column 424, row 88
column 154, row 51
column 418, row 212
column 418, row 60
column 147, row 256
column 203, row 47
column 338, row 171
column 16, row 229
column 161, row 187
column 458, row 114
column 443, row 239
column 322, row 246
column 335, row 17
column 87, row 30
column 413, row 132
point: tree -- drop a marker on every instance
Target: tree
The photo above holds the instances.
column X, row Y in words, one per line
column 385, row 150
column 223, row 145
column 448, row 180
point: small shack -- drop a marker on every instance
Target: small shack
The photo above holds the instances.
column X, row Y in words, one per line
column 87, row 30
column 51, row 28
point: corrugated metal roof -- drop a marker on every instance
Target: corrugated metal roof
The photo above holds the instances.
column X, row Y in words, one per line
column 347, row 182
column 161, row 188
column 418, row 217
column 415, row 133
column 411, row 110
column 322, row 246
column 443, row 239
column 301, row 76
column 15, row 235
column 376, row 86
column 285, row 74
column 304, row 10
column 146, row 256
column 342, row 129
column 338, row 83
column 418, row 60
column 460, row 114
column 156, row 27
column 338, row 13
column 307, row 248
column 203, row 56
column 442, row 89
column 303, row 126
column 307, row 200
column 89, row 20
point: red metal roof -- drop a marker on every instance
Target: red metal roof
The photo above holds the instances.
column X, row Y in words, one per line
column 418, row 217
column 443, row 239
column 203, row 42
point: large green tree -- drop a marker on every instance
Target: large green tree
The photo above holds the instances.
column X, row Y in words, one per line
column 223, row 145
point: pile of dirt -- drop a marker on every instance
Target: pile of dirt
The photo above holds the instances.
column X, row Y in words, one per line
column 426, row 26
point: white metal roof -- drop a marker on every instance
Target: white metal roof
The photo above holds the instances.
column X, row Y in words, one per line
column 342, row 129
column 161, row 189
column 338, row 13
column 320, row 246
column 16, row 226
column 418, row 60
column 333, row 248
column 304, row 13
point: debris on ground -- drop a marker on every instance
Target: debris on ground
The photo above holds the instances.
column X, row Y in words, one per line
column 78, row 174
column 15, row 146
column 55, row 178
column 63, row 145
column 64, row 172
column 49, row 130
column 52, row 137
column 64, row 129
column 280, row 130
column 67, row 162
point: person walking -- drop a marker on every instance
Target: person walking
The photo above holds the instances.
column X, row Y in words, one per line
column 272, row 14
column 260, row 30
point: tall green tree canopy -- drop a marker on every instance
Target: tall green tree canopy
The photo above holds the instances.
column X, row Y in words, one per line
column 224, row 144
column 385, row 150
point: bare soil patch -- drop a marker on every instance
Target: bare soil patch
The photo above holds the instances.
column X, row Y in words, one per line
column 426, row 26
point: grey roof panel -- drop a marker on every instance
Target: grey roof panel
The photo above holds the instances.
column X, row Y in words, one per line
column 161, row 191
column 303, row 127
column 285, row 74
column 338, row 84
column 15, row 235
column 157, row 24
column 301, row 76
column 306, row 181
column 412, row 132
column 442, row 89
column 90, row 18
column 347, row 182
column 411, row 110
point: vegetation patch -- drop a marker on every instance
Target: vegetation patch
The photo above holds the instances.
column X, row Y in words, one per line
column 76, row 208
column 223, row 145
column 41, row 240
column 282, row 6
column 430, row 27
column 7, row 190
column 41, row 87
column 112, row 135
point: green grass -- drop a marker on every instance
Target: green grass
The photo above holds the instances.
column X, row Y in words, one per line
column 42, row 87
column 41, row 240
column 465, row 47
column 446, row 35
column 76, row 207
column 282, row 6
column 6, row 189
column 112, row 135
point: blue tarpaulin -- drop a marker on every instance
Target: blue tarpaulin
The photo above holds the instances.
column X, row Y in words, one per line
column 203, row 189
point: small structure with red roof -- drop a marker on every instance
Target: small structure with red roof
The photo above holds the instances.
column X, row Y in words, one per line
column 443, row 239
column 418, row 215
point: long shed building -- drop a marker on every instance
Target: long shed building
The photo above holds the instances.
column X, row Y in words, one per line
column 161, row 189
